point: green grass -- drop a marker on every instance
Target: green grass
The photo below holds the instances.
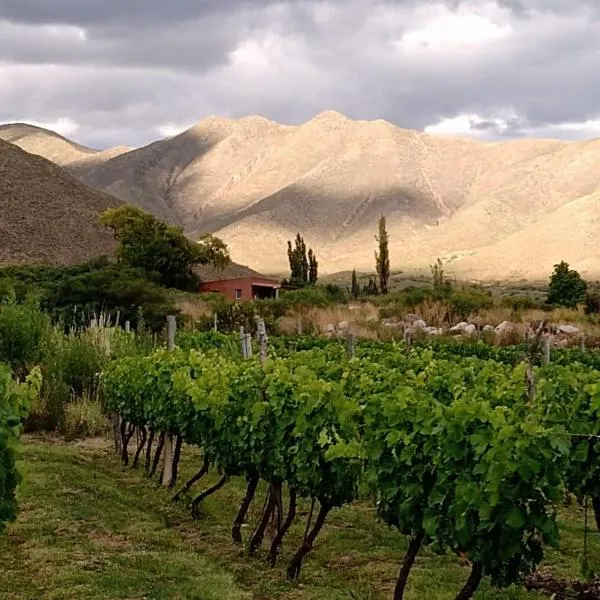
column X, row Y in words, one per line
column 91, row 529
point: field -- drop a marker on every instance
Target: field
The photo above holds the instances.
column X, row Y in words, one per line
column 92, row 529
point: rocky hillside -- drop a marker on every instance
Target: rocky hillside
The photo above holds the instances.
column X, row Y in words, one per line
column 492, row 210
column 47, row 215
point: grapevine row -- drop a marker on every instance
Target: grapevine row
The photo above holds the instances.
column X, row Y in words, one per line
column 457, row 454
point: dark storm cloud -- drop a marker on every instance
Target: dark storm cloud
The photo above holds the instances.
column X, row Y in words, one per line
column 123, row 71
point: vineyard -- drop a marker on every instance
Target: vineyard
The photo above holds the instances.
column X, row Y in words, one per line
column 465, row 449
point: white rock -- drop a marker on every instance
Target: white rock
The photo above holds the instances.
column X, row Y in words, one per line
column 343, row 325
column 567, row 329
column 419, row 324
column 489, row 329
column 432, row 330
column 503, row 327
column 470, row 329
column 330, row 328
column 460, row 327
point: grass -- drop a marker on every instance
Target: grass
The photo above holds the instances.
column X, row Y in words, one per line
column 92, row 529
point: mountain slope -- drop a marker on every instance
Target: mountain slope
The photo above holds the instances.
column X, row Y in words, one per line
column 256, row 183
column 47, row 215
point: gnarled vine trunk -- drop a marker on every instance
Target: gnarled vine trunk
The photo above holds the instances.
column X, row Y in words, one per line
column 409, row 559
column 197, row 477
column 295, row 565
column 291, row 515
column 472, row 583
column 596, row 505
column 202, row 496
column 236, row 530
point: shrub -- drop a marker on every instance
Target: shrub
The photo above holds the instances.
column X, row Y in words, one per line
column 22, row 327
column 469, row 301
column 592, row 302
column 84, row 418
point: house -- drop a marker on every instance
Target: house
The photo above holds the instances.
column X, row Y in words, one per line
column 238, row 282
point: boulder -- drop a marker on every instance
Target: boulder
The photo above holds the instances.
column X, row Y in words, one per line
column 470, row 329
column 459, row 327
column 568, row 329
column 489, row 329
column 504, row 327
column 419, row 324
column 432, row 330
column 342, row 325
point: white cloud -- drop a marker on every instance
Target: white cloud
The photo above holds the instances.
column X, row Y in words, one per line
column 170, row 129
column 439, row 29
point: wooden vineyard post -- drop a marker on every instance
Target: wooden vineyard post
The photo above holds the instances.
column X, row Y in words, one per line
column 262, row 340
column 127, row 326
column 546, row 354
column 243, row 341
column 167, row 472
column 582, row 342
column 351, row 346
column 248, row 345
column 215, row 323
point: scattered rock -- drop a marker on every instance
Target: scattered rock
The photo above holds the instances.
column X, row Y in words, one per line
column 567, row 329
column 470, row 329
column 459, row 328
column 432, row 330
column 419, row 324
column 504, row 327
column 489, row 329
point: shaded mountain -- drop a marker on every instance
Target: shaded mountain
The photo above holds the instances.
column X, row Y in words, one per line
column 46, row 214
column 256, row 183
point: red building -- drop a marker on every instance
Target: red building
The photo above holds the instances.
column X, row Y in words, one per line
column 238, row 283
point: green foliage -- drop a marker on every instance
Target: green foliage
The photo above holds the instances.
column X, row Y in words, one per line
column 22, row 327
column 303, row 264
column 441, row 286
column 371, row 288
column 74, row 295
column 161, row 250
column 382, row 256
column 469, row 301
column 14, row 403
column 304, row 299
column 592, row 302
column 566, row 286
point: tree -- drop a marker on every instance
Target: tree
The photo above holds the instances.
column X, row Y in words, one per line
column 354, row 287
column 566, row 286
column 303, row 265
column 382, row 257
column 441, row 285
column 162, row 250
column 371, row 288
column 313, row 268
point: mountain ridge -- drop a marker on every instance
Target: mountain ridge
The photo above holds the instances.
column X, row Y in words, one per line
column 332, row 177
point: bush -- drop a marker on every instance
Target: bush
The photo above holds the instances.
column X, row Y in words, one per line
column 306, row 298
column 592, row 302
column 84, row 418
column 22, row 328
column 517, row 303
column 466, row 302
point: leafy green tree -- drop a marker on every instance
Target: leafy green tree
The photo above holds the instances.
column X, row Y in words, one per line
column 382, row 256
column 303, row 263
column 566, row 286
column 160, row 249
column 354, row 287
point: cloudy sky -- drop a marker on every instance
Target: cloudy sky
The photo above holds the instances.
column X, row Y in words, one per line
column 108, row 72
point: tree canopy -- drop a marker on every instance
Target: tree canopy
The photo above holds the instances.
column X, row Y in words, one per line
column 566, row 286
column 162, row 250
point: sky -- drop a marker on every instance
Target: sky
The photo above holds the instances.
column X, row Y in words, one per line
column 126, row 72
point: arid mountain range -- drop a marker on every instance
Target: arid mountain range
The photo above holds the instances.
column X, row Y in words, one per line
column 492, row 210
column 46, row 215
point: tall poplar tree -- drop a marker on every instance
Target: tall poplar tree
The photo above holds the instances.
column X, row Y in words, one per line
column 382, row 256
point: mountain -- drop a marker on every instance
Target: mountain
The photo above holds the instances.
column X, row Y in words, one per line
column 46, row 214
column 490, row 209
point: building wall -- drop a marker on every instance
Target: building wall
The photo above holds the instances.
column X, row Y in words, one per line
column 228, row 287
